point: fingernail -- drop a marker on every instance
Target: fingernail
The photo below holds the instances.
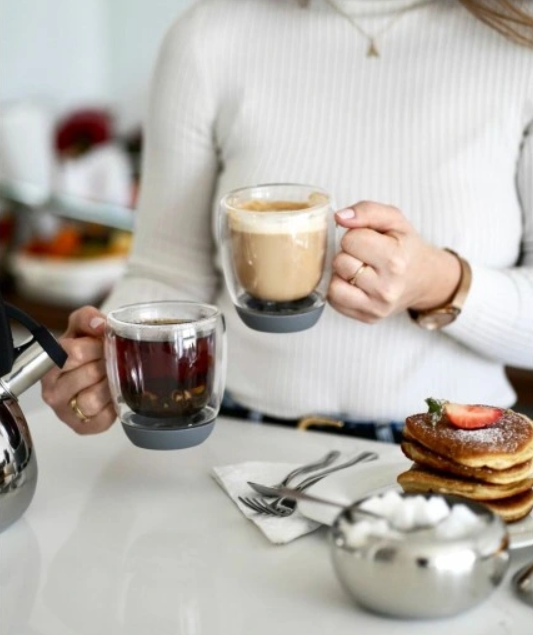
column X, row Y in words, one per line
column 96, row 322
column 346, row 213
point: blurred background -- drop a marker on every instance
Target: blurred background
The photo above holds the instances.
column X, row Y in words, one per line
column 71, row 53
column 75, row 76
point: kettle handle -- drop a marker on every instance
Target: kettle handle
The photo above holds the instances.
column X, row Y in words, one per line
column 39, row 334
column 6, row 342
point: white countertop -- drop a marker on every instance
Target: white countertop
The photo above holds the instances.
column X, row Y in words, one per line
column 119, row 540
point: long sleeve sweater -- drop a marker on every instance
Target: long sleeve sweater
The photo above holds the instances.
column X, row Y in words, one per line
column 439, row 125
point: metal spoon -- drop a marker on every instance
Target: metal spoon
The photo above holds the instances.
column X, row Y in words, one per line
column 523, row 583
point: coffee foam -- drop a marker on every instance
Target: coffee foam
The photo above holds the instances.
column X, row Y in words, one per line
column 264, row 205
column 314, row 201
column 277, row 222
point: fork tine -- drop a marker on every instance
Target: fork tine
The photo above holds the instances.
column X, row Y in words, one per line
column 262, row 506
column 279, row 509
column 266, row 509
column 250, row 503
column 257, row 505
column 269, row 507
column 275, row 507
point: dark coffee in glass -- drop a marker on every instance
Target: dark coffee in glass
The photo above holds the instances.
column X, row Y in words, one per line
column 166, row 365
column 166, row 379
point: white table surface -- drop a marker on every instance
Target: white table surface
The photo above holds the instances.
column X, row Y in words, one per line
column 119, row 540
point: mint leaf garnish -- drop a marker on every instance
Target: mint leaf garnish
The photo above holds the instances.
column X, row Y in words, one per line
column 435, row 408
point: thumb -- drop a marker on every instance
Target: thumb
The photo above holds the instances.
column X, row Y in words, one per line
column 380, row 218
column 86, row 321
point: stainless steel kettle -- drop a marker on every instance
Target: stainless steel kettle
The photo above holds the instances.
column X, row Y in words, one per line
column 20, row 367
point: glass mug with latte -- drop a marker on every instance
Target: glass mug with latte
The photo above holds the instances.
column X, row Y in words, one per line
column 277, row 242
column 166, row 364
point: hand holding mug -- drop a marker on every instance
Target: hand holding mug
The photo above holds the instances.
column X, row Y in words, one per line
column 384, row 266
column 79, row 392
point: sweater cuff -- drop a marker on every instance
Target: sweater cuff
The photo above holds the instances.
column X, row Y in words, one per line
column 496, row 319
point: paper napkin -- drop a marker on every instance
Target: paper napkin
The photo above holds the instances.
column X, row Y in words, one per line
column 233, row 480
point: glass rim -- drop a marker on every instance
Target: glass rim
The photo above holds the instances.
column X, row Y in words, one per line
column 261, row 186
column 113, row 315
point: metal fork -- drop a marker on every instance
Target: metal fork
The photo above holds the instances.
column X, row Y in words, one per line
column 294, row 495
column 302, row 469
column 325, row 461
column 284, row 506
column 281, row 506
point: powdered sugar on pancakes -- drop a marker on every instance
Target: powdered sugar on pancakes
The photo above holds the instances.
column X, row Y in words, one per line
column 505, row 443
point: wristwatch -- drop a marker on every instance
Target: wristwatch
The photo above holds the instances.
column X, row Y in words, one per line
column 435, row 319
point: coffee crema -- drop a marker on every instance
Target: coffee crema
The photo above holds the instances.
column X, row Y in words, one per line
column 260, row 205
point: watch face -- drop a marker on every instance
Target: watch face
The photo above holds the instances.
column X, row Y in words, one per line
column 437, row 319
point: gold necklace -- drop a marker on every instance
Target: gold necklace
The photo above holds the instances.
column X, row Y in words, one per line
column 372, row 50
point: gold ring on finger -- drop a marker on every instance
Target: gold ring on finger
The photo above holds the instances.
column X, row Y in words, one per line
column 77, row 411
column 354, row 278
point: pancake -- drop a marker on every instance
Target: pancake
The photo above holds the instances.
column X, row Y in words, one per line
column 425, row 457
column 499, row 446
column 420, row 479
column 513, row 508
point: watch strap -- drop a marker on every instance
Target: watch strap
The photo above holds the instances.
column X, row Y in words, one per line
column 454, row 306
column 465, row 282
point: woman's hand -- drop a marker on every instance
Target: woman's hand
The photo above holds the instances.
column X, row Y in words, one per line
column 79, row 392
column 401, row 270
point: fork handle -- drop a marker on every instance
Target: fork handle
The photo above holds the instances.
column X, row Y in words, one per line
column 311, row 467
column 364, row 457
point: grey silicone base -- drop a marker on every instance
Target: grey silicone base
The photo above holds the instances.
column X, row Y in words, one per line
column 151, row 438
column 279, row 322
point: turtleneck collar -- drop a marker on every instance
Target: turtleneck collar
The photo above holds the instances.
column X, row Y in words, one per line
column 361, row 8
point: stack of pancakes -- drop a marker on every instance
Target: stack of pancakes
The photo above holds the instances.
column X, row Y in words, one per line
column 492, row 465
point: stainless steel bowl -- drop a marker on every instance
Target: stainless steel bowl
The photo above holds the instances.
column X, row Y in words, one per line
column 418, row 574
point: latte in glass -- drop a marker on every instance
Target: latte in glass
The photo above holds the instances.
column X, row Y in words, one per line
column 277, row 259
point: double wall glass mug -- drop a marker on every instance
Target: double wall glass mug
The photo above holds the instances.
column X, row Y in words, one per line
column 166, row 364
column 277, row 243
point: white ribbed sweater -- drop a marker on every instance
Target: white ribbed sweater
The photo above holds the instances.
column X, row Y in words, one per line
column 261, row 91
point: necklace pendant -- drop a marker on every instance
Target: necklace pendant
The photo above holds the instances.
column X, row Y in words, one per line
column 372, row 50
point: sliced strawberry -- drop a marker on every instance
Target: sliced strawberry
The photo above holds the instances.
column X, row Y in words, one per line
column 471, row 417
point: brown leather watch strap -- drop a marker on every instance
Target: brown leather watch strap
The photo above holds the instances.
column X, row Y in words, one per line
column 436, row 318
column 464, row 283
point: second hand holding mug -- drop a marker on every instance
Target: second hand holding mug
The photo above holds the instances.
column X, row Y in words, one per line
column 277, row 244
column 166, row 363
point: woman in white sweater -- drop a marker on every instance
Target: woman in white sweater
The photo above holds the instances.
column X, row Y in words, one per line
column 416, row 116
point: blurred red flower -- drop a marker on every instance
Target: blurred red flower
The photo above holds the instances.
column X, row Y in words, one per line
column 82, row 130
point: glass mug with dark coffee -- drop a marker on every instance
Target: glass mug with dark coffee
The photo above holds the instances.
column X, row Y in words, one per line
column 166, row 364
column 277, row 243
